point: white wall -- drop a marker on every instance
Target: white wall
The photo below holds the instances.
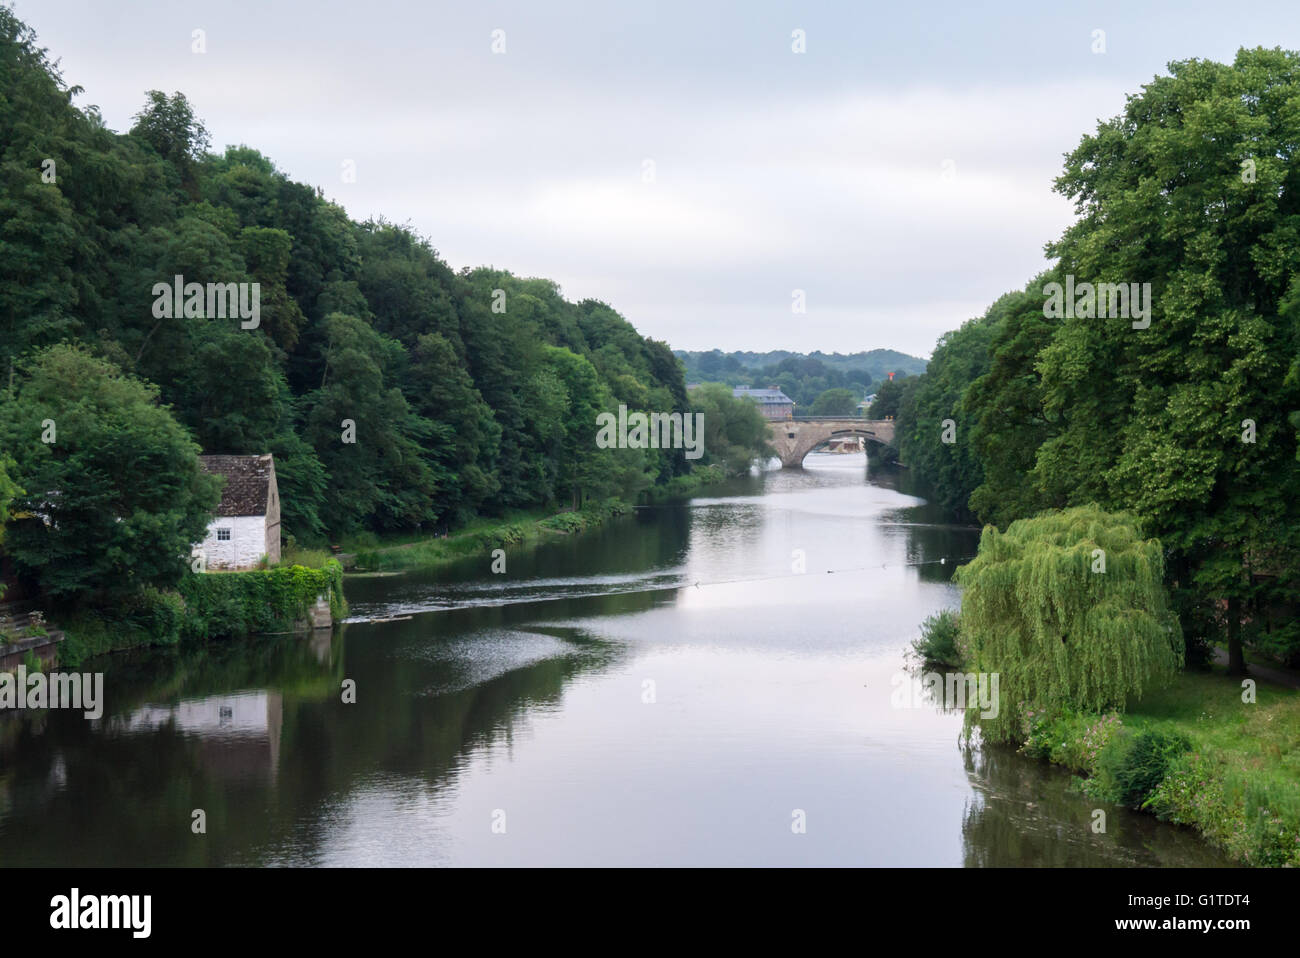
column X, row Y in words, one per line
column 247, row 543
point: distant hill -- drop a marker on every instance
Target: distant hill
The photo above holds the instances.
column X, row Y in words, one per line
column 878, row 363
column 803, row 376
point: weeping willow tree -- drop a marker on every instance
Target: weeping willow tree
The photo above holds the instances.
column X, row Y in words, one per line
column 1070, row 609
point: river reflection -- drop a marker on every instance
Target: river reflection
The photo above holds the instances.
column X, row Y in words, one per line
column 681, row 687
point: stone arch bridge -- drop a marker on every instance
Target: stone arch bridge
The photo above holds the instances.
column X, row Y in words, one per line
column 795, row 438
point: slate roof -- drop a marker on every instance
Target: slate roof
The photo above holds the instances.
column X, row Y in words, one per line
column 248, row 483
column 762, row 395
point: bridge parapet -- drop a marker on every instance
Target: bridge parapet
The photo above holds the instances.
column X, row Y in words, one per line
column 796, row 437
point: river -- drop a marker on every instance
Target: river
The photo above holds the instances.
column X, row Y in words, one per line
column 700, row 683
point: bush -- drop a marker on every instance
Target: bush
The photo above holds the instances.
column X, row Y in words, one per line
column 940, row 640
column 1072, row 739
column 261, row 600
column 149, row 617
column 1132, row 765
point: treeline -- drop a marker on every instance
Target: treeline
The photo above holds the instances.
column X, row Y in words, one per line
column 877, row 364
column 395, row 393
column 803, row 378
column 1178, row 402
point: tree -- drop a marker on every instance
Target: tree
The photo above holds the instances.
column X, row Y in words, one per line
column 1195, row 191
column 1070, row 610
column 459, row 408
column 885, row 405
column 835, row 402
column 585, row 469
column 114, row 489
column 366, row 435
column 8, row 492
column 1006, row 408
column 168, row 124
column 466, row 435
column 735, row 432
column 934, row 426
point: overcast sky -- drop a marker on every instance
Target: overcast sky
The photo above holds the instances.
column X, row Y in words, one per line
column 899, row 171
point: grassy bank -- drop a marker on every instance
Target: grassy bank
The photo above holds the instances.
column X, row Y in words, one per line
column 682, row 486
column 481, row 536
column 1195, row 754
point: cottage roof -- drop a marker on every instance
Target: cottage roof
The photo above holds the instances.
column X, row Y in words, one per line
column 248, row 483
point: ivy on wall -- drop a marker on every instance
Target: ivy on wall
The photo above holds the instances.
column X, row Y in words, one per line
column 260, row 600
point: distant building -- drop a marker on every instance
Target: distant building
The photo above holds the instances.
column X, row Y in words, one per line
column 247, row 525
column 772, row 403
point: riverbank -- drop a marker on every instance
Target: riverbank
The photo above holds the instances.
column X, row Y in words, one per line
column 208, row 606
column 481, row 537
column 522, row 529
column 1198, row 753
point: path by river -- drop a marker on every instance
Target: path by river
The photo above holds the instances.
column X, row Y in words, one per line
column 670, row 690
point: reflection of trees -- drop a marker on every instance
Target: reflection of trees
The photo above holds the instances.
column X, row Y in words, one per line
column 927, row 544
column 1024, row 813
column 94, row 793
column 88, row 796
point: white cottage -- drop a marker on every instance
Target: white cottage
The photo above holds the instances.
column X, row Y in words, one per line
column 247, row 526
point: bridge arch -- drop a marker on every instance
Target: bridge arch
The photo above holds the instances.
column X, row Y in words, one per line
column 795, row 438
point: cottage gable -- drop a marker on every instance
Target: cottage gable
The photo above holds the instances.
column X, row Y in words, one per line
column 247, row 526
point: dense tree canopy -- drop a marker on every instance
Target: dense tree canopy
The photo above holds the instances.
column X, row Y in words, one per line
column 1180, row 401
column 394, row 392
column 115, row 496
column 803, row 378
column 836, row 402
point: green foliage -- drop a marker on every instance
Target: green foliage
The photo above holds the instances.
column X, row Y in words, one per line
column 1133, row 764
column 115, row 502
column 1071, row 739
column 940, row 639
column 260, row 600
column 485, row 536
column 146, row 618
column 683, row 486
column 1060, row 634
column 934, row 429
column 889, row 398
column 1002, row 407
column 803, row 377
column 1190, row 422
column 1238, row 785
column 1152, row 420
column 169, row 126
column 836, row 402
column 8, row 491
column 735, row 432
column 461, row 408
column 1256, row 820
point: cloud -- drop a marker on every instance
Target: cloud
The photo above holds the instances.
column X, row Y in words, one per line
column 773, row 172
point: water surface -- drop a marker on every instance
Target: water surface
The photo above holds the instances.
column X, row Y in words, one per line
column 680, row 688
